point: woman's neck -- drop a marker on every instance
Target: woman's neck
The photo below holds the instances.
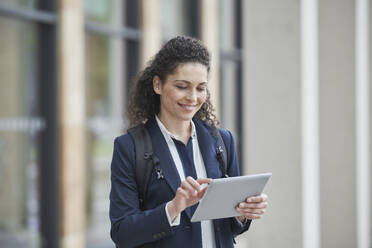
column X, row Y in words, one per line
column 179, row 128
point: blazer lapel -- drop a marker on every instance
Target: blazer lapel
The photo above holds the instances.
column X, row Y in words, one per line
column 207, row 145
column 161, row 150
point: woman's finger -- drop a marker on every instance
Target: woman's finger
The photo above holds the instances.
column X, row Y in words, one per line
column 202, row 192
column 182, row 193
column 245, row 205
column 204, row 180
column 264, row 197
column 251, row 211
column 259, row 198
column 252, row 216
column 185, row 185
column 193, row 183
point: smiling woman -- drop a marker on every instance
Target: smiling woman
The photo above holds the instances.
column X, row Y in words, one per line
column 181, row 96
column 177, row 52
column 171, row 99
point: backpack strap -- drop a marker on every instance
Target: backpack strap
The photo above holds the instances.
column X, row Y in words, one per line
column 145, row 159
column 221, row 155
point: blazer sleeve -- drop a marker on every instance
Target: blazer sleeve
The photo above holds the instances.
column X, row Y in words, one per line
column 233, row 171
column 129, row 225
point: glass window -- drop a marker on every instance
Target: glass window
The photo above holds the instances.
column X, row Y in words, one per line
column 19, row 127
column 175, row 18
column 107, row 78
column 229, row 89
column 30, row 4
column 106, row 87
column 99, row 10
column 229, row 65
column 227, row 33
column 230, row 68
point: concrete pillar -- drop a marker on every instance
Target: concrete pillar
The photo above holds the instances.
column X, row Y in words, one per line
column 11, row 190
column 272, row 117
column 370, row 107
column 117, row 70
column 72, row 122
column 362, row 95
column 337, row 123
column 209, row 35
column 151, row 30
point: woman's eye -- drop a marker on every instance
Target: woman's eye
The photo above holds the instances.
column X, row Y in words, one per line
column 181, row 87
column 201, row 89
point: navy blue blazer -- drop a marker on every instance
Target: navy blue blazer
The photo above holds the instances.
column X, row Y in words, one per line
column 133, row 227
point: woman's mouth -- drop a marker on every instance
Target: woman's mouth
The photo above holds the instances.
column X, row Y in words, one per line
column 188, row 107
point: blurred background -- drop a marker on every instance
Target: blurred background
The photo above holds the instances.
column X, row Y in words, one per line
column 290, row 79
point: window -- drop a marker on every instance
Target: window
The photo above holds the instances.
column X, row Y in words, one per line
column 111, row 62
column 181, row 18
column 25, row 120
column 230, row 69
column 29, row 191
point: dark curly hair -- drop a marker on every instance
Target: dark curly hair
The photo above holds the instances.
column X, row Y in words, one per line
column 144, row 103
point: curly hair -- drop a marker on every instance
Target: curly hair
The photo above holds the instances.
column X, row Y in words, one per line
column 144, row 103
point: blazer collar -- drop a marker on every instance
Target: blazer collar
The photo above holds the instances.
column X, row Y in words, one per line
column 168, row 135
column 207, row 145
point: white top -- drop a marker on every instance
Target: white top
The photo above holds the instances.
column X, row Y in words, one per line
column 207, row 230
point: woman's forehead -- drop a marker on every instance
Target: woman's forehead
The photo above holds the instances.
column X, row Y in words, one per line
column 191, row 70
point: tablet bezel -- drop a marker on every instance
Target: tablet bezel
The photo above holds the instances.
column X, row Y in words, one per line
column 213, row 206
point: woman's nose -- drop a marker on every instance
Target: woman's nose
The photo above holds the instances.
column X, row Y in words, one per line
column 192, row 96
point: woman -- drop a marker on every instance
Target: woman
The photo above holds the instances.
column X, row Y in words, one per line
column 171, row 96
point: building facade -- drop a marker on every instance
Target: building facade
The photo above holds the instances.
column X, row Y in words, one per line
column 290, row 79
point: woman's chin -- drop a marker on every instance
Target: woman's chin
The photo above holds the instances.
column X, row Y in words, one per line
column 186, row 117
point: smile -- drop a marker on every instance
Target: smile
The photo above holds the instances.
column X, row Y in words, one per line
column 188, row 106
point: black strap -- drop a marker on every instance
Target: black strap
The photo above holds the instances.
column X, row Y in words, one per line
column 145, row 159
column 221, row 155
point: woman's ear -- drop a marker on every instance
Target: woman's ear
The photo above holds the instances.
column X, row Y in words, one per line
column 156, row 83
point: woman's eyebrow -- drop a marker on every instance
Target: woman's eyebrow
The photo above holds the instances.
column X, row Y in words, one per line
column 188, row 82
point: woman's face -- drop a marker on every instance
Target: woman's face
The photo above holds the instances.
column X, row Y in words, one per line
column 183, row 92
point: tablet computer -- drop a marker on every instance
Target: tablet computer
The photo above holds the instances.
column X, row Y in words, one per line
column 224, row 194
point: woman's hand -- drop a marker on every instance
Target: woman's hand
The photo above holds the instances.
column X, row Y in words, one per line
column 252, row 208
column 189, row 193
